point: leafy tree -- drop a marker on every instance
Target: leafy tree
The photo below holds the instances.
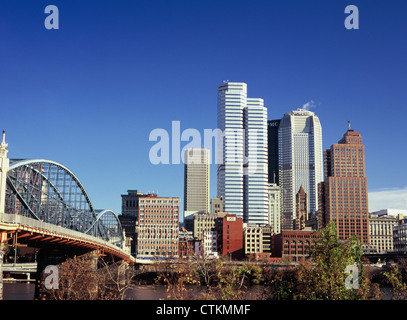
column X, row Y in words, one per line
column 395, row 279
column 231, row 284
column 324, row 275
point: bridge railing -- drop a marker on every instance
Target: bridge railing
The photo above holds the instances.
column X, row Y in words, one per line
column 18, row 219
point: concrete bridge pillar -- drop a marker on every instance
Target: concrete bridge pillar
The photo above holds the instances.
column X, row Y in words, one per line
column 54, row 257
column 46, row 257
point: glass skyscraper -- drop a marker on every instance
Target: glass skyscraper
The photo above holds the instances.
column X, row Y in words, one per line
column 272, row 132
column 242, row 177
column 300, row 161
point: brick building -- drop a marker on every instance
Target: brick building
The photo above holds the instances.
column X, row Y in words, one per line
column 293, row 245
column 157, row 227
column 344, row 189
column 301, row 209
column 229, row 232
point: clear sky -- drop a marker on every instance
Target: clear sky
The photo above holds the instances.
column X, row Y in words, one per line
column 88, row 94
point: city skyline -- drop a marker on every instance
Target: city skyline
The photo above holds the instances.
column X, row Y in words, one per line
column 88, row 95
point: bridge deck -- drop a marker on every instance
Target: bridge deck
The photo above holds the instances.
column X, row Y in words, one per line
column 37, row 233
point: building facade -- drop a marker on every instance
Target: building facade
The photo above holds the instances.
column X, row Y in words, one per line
column 300, row 161
column 196, row 180
column 216, row 205
column 391, row 212
column 301, row 209
column 242, row 175
column 400, row 236
column 381, row 232
column 200, row 223
column 272, row 140
column 274, row 208
column 129, row 226
column 157, row 227
column 294, row 245
column 209, row 244
column 345, row 187
column 257, row 239
column 229, row 236
column 130, row 203
column 255, row 169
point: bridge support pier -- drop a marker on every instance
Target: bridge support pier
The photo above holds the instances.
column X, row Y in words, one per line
column 46, row 257
column 55, row 257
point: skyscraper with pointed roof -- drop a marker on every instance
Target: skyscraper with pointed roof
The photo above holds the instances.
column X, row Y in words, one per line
column 300, row 161
column 344, row 188
column 301, row 209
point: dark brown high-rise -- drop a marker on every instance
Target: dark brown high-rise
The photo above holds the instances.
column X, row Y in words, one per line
column 343, row 194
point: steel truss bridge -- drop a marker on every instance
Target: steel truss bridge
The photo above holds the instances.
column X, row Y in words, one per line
column 47, row 206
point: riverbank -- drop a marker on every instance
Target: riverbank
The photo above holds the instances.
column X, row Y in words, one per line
column 25, row 291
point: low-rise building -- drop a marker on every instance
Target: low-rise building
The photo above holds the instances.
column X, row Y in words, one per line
column 209, row 244
column 199, row 223
column 400, row 237
column 294, row 245
column 257, row 239
column 381, row 231
column 229, row 236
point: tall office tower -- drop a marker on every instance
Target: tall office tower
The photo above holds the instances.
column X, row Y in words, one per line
column 301, row 211
column 300, row 161
column 255, row 177
column 242, row 174
column 272, row 133
column 196, row 180
column 345, row 187
column 231, row 101
column 275, row 208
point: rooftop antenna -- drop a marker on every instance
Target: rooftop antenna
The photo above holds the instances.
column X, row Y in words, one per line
column 348, row 125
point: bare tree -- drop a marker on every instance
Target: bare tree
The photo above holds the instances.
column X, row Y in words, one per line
column 79, row 278
column 116, row 278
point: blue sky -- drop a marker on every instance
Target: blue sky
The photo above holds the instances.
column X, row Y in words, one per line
column 88, row 94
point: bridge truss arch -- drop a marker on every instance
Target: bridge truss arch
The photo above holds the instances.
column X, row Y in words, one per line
column 48, row 191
